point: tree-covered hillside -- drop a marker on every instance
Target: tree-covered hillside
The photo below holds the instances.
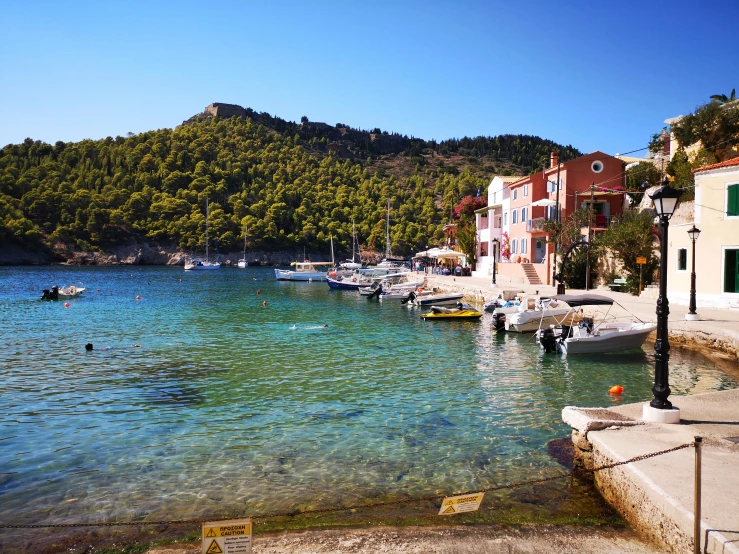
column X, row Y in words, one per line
column 293, row 185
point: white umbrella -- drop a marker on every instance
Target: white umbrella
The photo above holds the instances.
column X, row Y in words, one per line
column 544, row 202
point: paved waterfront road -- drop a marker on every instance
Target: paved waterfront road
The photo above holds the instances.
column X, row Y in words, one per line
column 487, row 539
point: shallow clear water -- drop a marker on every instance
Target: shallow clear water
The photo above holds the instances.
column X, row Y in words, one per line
column 230, row 404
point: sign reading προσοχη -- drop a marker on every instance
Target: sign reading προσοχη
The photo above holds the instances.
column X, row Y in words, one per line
column 232, row 536
column 463, row 503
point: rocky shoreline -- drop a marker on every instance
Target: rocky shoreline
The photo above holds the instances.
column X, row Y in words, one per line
column 135, row 254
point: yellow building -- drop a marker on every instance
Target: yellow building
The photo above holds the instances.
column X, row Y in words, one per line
column 716, row 214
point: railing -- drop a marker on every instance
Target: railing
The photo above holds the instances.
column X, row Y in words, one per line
column 536, row 224
column 601, row 221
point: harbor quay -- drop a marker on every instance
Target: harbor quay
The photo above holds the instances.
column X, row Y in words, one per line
column 657, row 494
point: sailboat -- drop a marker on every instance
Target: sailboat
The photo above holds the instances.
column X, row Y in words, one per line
column 197, row 264
column 388, row 263
column 353, row 263
column 242, row 262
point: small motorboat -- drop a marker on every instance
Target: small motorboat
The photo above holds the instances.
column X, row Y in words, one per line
column 589, row 338
column 63, row 293
column 439, row 299
column 462, row 311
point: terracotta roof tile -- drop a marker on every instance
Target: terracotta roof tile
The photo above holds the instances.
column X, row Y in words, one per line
column 727, row 163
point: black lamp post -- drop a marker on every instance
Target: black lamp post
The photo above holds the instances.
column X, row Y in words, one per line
column 691, row 315
column 665, row 201
column 495, row 259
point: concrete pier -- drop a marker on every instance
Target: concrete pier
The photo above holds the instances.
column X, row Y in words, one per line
column 656, row 495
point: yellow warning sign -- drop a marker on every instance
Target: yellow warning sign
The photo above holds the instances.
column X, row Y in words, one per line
column 641, row 260
column 463, row 503
column 231, row 536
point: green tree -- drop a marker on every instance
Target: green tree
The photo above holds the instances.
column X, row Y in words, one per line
column 631, row 238
column 715, row 125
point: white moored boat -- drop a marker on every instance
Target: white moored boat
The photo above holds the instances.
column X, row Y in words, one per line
column 535, row 313
column 440, row 299
column 587, row 338
column 304, row 271
column 197, row 264
column 243, row 263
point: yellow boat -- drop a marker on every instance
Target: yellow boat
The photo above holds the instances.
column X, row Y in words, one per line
column 462, row 311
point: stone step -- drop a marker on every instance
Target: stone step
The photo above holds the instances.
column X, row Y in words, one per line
column 531, row 275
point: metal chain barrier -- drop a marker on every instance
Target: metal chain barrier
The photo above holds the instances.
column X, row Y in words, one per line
column 294, row 513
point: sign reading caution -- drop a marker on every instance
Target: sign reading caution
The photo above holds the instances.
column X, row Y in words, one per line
column 458, row 504
column 227, row 537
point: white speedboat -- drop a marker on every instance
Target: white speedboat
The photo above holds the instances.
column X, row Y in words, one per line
column 438, row 299
column 304, row 271
column 63, row 293
column 588, row 338
column 535, row 313
column 394, row 296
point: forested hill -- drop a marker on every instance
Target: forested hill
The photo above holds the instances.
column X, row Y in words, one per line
column 293, row 185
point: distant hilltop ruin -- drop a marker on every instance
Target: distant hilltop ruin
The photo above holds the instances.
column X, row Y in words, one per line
column 219, row 109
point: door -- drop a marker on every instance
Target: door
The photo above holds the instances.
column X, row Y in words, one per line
column 731, row 270
column 540, row 251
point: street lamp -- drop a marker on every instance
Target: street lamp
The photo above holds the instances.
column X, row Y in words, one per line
column 660, row 409
column 691, row 315
column 495, row 258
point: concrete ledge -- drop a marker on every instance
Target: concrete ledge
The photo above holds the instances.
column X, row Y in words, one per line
column 585, row 420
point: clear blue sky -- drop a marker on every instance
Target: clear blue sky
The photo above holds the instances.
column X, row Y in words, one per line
column 597, row 75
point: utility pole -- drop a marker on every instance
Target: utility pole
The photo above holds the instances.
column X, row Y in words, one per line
column 590, row 237
column 557, row 218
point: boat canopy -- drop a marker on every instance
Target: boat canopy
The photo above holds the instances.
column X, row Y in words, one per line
column 575, row 300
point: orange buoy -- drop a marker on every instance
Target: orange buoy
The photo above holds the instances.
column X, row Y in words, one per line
column 616, row 389
column 259, row 292
column 66, row 304
column 138, row 298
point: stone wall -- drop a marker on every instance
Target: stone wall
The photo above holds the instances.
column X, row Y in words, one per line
column 218, row 109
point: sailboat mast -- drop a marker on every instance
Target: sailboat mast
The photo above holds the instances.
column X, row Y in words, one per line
column 333, row 263
column 206, row 229
column 387, row 232
column 245, row 242
column 354, row 240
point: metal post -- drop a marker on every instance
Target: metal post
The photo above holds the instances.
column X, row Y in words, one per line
column 697, row 500
column 641, row 267
column 590, row 237
column 495, row 260
column 691, row 309
column 661, row 387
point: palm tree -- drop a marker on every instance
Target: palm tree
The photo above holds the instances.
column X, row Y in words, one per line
column 723, row 99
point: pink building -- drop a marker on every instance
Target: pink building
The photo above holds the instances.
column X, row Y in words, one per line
column 534, row 199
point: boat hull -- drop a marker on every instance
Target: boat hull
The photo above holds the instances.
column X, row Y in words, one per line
column 518, row 322
column 208, row 267
column 438, row 300
column 243, row 264
column 347, row 285
column 615, row 341
column 288, row 275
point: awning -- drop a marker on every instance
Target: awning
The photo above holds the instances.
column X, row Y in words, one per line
column 544, row 202
column 575, row 300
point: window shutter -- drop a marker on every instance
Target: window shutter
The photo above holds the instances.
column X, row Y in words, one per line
column 732, row 205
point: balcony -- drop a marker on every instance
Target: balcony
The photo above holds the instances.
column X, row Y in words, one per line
column 536, row 224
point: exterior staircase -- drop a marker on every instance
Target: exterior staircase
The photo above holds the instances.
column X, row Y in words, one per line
column 531, row 276
column 650, row 291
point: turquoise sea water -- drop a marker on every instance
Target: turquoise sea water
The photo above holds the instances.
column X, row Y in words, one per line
column 228, row 403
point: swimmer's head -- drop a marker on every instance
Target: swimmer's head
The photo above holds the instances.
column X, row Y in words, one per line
column 88, row 346
column 325, row 324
